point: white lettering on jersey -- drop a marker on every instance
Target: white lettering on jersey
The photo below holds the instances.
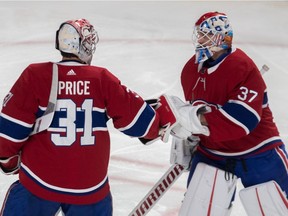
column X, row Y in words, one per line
column 74, row 87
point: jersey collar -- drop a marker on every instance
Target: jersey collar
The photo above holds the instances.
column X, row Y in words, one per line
column 213, row 65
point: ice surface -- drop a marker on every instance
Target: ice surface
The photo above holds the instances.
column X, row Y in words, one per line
column 146, row 45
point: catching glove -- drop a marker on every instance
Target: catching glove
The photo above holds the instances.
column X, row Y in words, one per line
column 188, row 118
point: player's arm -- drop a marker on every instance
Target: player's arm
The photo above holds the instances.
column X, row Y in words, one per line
column 16, row 122
column 236, row 118
column 10, row 165
column 241, row 114
column 129, row 112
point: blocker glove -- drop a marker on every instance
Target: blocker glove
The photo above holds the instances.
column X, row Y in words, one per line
column 167, row 118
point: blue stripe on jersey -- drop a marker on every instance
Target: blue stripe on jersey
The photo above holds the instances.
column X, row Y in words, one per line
column 265, row 99
column 99, row 119
column 141, row 124
column 13, row 129
column 241, row 114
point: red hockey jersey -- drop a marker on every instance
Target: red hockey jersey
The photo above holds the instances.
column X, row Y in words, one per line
column 241, row 121
column 68, row 162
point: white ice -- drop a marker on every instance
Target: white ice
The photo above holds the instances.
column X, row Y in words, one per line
column 146, row 45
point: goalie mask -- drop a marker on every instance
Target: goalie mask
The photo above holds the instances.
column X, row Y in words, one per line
column 212, row 33
column 77, row 37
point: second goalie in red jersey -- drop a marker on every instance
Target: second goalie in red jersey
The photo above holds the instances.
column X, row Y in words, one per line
column 227, row 109
column 65, row 166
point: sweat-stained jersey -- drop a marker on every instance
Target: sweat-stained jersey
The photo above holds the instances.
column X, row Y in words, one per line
column 68, row 162
column 241, row 122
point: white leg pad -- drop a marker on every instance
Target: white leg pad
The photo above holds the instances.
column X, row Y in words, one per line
column 208, row 193
column 264, row 199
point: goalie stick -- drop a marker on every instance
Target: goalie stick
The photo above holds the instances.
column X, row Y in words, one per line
column 162, row 186
column 158, row 190
column 264, row 69
column 43, row 122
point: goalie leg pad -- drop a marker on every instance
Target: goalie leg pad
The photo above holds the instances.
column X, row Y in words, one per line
column 264, row 199
column 208, row 193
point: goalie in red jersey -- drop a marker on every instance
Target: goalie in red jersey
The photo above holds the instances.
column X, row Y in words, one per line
column 53, row 130
column 227, row 109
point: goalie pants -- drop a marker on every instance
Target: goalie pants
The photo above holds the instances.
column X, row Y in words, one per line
column 256, row 169
column 20, row 202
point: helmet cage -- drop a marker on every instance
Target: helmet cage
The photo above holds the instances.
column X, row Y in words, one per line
column 89, row 39
column 211, row 35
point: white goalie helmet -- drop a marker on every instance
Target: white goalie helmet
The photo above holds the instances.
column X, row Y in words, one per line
column 77, row 37
column 212, row 33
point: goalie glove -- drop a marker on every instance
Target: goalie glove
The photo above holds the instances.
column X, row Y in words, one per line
column 167, row 118
column 188, row 118
column 182, row 151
